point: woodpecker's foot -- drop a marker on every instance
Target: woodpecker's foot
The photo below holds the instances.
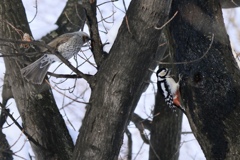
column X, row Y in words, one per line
column 179, row 77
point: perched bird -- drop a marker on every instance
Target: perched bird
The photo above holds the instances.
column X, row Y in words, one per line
column 169, row 88
column 67, row 45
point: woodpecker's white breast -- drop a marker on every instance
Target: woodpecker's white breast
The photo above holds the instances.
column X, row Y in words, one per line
column 173, row 86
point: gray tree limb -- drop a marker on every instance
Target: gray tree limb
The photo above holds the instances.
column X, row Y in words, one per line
column 120, row 81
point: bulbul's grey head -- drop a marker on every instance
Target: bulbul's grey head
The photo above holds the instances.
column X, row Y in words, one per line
column 74, row 37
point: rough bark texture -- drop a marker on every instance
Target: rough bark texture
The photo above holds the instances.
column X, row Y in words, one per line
column 36, row 104
column 230, row 3
column 210, row 86
column 166, row 124
column 5, row 151
column 72, row 19
column 165, row 132
column 121, row 80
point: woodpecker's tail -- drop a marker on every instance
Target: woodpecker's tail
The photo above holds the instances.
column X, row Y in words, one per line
column 35, row 72
column 182, row 109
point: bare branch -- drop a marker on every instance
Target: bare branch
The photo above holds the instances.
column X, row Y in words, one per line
column 158, row 28
column 35, row 15
column 129, row 135
column 141, row 124
column 63, row 75
column 65, row 114
column 30, row 138
column 96, row 44
column 67, row 63
column 64, row 94
column 3, row 117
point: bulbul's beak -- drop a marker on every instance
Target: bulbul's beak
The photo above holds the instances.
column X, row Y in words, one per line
column 90, row 39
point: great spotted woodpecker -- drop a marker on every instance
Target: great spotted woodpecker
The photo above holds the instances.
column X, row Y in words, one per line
column 169, row 88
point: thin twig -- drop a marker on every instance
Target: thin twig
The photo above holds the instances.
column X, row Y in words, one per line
column 35, row 15
column 14, row 143
column 64, row 94
column 65, row 114
column 80, row 18
column 159, row 28
column 126, row 18
column 21, row 146
column 19, row 31
column 37, row 43
column 30, row 138
column 103, row 3
column 21, row 54
column 124, row 5
column 70, row 20
column 104, row 18
column 234, row 3
column 63, row 75
column 187, row 132
column 138, row 151
column 154, row 151
column 86, row 59
column 129, row 135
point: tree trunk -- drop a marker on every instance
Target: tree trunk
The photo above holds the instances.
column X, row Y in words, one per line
column 40, row 115
column 120, row 81
column 5, row 151
column 72, row 19
column 166, row 124
column 230, row 4
column 165, row 132
column 210, row 87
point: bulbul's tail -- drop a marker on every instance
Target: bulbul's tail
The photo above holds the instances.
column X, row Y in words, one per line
column 36, row 72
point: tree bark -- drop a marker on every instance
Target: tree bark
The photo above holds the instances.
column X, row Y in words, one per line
column 40, row 115
column 230, row 4
column 5, row 151
column 210, row 87
column 165, row 132
column 166, row 124
column 72, row 19
column 117, row 86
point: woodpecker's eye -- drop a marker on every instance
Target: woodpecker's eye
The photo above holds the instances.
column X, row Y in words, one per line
column 162, row 72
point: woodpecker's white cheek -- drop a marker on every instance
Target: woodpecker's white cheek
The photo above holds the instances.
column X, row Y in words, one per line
column 159, row 79
column 172, row 85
